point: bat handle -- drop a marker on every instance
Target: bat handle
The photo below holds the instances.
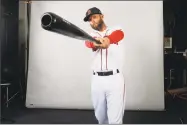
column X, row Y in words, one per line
column 94, row 40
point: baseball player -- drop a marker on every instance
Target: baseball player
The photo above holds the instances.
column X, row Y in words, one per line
column 107, row 88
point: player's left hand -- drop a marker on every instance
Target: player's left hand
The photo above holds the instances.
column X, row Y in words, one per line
column 105, row 43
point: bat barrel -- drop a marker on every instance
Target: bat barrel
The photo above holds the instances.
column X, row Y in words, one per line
column 46, row 20
column 54, row 23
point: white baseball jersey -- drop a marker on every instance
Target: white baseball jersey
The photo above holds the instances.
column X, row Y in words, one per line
column 112, row 57
column 108, row 92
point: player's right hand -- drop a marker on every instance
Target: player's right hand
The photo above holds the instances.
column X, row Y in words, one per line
column 105, row 43
column 97, row 45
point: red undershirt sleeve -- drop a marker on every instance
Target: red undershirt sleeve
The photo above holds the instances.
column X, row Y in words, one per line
column 89, row 44
column 116, row 36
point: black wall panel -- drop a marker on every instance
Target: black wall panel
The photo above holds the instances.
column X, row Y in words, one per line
column 175, row 18
column 9, row 40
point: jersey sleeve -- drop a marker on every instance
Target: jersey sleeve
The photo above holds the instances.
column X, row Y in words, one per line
column 116, row 35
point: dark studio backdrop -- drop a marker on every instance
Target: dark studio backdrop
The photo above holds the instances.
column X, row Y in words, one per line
column 12, row 55
column 13, row 50
column 175, row 26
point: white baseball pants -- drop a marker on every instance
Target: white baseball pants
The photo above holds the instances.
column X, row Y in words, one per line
column 108, row 97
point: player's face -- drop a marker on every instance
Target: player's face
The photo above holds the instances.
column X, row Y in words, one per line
column 96, row 21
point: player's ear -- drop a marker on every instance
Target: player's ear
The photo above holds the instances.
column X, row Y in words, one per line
column 102, row 16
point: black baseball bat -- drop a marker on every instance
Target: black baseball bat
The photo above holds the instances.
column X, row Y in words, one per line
column 57, row 24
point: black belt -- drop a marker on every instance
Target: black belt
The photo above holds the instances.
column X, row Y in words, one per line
column 105, row 73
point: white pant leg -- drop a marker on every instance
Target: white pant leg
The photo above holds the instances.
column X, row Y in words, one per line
column 116, row 98
column 99, row 99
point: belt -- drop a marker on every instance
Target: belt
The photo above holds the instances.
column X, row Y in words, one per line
column 106, row 73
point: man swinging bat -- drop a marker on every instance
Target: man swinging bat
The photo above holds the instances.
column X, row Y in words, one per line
column 107, row 88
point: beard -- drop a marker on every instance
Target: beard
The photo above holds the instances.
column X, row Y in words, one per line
column 98, row 26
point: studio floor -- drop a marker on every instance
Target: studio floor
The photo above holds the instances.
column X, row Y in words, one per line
column 175, row 113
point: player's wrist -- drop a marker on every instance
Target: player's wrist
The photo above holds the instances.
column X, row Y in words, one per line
column 107, row 39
